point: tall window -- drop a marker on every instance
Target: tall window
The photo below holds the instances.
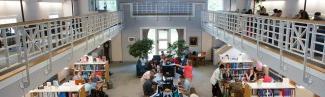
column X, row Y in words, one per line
column 8, row 21
column 109, row 5
column 214, row 5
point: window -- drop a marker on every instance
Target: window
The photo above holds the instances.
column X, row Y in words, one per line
column 214, row 5
column 169, row 8
column 8, row 21
column 109, row 5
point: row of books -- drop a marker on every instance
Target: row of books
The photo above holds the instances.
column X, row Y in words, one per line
column 238, row 65
column 273, row 92
column 92, row 67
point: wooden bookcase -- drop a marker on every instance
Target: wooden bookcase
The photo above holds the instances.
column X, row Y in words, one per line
column 53, row 91
column 88, row 67
column 272, row 89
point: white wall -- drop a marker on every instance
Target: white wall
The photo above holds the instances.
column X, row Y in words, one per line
column 192, row 27
column 35, row 9
column 207, row 41
column 116, row 48
column 10, row 9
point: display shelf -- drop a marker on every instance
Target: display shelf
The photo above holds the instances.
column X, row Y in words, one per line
column 54, row 91
column 278, row 89
column 88, row 64
column 238, row 69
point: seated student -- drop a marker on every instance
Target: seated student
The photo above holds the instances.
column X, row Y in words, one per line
column 77, row 76
column 185, row 83
column 193, row 93
column 148, row 87
column 279, row 13
column 95, row 78
column 317, row 16
column 250, row 75
column 147, row 74
column 275, row 11
column 88, row 87
column 266, row 78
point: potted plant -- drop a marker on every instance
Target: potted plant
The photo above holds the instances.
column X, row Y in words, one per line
column 140, row 49
column 177, row 48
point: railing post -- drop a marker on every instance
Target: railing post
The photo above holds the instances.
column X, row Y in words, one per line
column 257, row 36
column 26, row 51
column 50, row 44
column 281, row 32
column 5, row 44
column 306, row 75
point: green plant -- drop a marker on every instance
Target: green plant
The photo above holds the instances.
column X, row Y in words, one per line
column 178, row 46
column 141, row 48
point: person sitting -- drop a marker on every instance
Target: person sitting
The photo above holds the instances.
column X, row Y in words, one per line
column 267, row 78
column 77, row 76
column 95, row 78
column 250, row 76
column 148, row 87
column 147, row 75
column 279, row 13
column 262, row 11
column 249, row 11
column 193, row 93
column 297, row 16
column 88, row 86
column 317, row 16
column 275, row 11
column 185, row 83
column 304, row 15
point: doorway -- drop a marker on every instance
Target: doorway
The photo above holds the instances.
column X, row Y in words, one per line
column 161, row 37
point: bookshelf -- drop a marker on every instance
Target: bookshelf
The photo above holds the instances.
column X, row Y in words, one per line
column 100, row 68
column 278, row 89
column 54, row 91
column 238, row 68
column 87, row 64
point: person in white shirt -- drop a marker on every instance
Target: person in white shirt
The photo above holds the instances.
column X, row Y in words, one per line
column 214, row 80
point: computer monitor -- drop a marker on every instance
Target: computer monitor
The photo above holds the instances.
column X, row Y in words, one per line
column 168, row 70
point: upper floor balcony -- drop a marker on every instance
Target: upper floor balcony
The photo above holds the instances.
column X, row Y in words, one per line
column 295, row 48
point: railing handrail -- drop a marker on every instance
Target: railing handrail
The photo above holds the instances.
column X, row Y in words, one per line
column 275, row 18
column 32, row 22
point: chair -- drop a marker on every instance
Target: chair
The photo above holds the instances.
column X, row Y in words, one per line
column 201, row 58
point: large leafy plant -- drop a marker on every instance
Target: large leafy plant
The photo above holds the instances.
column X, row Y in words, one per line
column 178, row 47
column 141, row 48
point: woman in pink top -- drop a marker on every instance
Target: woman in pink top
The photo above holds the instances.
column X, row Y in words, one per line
column 187, row 70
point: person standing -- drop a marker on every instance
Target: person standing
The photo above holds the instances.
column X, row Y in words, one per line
column 188, row 68
column 214, row 80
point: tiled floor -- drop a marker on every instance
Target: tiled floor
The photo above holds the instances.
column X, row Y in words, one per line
column 126, row 84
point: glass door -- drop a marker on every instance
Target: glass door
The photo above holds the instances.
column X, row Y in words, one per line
column 163, row 40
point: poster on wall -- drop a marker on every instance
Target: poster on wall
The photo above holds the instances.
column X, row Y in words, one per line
column 193, row 41
column 131, row 39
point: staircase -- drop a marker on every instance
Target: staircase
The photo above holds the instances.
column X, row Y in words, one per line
column 295, row 48
column 32, row 52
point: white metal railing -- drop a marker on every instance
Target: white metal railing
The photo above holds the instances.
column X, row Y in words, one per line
column 22, row 42
column 302, row 38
